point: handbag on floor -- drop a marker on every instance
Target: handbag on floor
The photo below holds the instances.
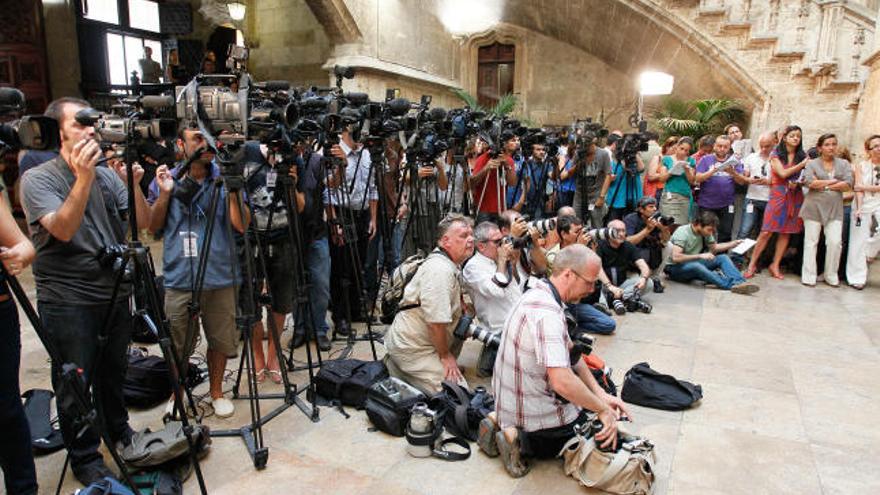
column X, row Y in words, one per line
column 627, row 471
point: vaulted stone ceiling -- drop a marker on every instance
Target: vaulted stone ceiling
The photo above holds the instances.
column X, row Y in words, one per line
column 634, row 35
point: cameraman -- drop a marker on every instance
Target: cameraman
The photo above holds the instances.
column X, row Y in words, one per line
column 495, row 281
column 181, row 200
column 419, row 341
column 76, row 210
column 16, row 457
column 589, row 196
column 589, row 318
column 623, row 185
column 488, row 192
column 620, row 256
column 534, row 370
column 355, row 208
column 650, row 237
column 532, row 259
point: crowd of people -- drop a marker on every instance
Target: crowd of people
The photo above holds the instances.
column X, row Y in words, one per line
column 612, row 233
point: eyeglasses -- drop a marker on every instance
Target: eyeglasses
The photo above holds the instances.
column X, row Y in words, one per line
column 497, row 242
column 578, row 275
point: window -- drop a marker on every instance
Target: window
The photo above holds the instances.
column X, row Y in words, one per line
column 101, row 10
column 494, row 73
column 123, row 54
column 143, row 14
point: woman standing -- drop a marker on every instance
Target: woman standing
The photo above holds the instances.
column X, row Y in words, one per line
column 565, row 193
column 827, row 177
column 676, row 198
column 654, row 182
column 863, row 246
column 786, row 197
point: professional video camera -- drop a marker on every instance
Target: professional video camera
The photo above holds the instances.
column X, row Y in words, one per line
column 630, row 145
column 585, row 132
column 465, row 122
column 35, row 132
column 494, row 129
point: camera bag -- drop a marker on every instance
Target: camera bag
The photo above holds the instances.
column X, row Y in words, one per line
column 389, row 404
column 646, row 387
column 348, row 380
column 461, row 410
column 106, row 486
column 627, row 471
column 147, row 380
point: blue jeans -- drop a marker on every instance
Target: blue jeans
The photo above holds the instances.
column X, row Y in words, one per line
column 707, row 271
column 591, row 320
column 750, row 220
column 74, row 330
column 317, row 260
column 16, row 458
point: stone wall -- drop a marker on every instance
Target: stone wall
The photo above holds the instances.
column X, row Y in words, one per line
column 62, row 50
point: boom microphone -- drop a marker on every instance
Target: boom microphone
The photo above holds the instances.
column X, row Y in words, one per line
column 11, row 100
column 399, row 106
column 437, row 114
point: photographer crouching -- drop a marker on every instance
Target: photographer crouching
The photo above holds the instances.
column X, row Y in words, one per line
column 619, row 256
column 650, row 233
column 495, row 280
column 420, row 344
column 540, row 396
column 77, row 216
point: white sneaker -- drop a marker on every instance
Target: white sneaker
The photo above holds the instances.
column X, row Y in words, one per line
column 223, row 407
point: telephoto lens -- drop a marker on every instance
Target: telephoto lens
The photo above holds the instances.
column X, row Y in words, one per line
column 619, row 307
column 466, row 329
column 420, row 431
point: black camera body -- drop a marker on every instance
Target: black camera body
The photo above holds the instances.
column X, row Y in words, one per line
column 466, row 328
column 665, row 221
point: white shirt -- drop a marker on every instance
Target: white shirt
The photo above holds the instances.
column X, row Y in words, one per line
column 870, row 200
column 757, row 166
column 494, row 297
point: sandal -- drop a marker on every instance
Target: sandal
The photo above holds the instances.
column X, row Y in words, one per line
column 275, row 375
column 775, row 274
column 749, row 273
column 261, row 375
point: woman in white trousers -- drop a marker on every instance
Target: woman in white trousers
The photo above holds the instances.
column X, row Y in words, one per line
column 827, row 178
column 863, row 242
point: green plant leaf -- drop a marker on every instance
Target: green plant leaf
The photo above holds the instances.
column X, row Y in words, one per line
column 468, row 99
column 505, row 105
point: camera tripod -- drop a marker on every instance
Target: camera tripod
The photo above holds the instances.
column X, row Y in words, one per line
column 251, row 433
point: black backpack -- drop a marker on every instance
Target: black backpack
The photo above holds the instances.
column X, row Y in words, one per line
column 462, row 410
column 645, row 387
column 389, row 405
column 146, row 381
column 348, row 380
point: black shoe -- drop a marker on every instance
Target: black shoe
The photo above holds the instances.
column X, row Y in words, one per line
column 324, row 343
column 92, row 472
column 298, row 340
column 658, row 285
column 342, row 327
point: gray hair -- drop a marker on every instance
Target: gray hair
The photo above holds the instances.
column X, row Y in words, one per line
column 450, row 220
column 483, row 230
column 574, row 257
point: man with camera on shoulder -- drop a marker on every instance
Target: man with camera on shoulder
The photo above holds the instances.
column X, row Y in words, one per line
column 649, row 232
column 77, row 215
column 494, row 279
column 420, row 344
column 180, row 200
column 619, row 257
column 540, row 395
column 492, row 175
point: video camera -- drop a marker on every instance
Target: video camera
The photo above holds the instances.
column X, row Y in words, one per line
column 33, row 132
column 584, row 133
column 630, row 145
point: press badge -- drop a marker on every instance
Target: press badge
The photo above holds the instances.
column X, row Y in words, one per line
column 591, row 207
column 750, row 208
column 668, row 195
column 190, row 244
column 730, row 209
column 271, row 177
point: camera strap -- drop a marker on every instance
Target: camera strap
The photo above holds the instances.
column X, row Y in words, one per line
column 555, row 293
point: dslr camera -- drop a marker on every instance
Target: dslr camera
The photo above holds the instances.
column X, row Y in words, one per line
column 467, row 329
column 665, row 221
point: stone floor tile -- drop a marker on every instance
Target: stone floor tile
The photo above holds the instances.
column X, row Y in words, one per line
column 623, row 354
column 768, row 369
column 721, row 461
column 846, row 470
column 749, row 410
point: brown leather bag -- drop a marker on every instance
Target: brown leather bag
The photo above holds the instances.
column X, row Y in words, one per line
column 629, row 471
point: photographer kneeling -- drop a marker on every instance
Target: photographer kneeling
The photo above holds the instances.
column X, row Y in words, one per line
column 619, row 256
column 649, row 232
column 539, row 395
column 494, row 279
column 420, row 345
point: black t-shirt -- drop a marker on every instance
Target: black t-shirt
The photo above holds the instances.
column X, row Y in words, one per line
column 635, row 224
column 616, row 262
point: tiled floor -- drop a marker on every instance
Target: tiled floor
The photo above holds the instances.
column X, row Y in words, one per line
column 791, row 400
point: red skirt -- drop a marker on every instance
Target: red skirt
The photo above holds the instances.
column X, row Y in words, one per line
column 783, row 208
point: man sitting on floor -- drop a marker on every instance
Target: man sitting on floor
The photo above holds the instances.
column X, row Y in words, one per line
column 696, row 255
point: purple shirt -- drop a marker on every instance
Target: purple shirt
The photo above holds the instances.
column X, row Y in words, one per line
column 718, row 190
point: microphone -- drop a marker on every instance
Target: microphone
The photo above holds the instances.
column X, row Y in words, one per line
column 157, row 101
column 274, row 85
column 356, row 98
column 399, row 106
column 437, row 114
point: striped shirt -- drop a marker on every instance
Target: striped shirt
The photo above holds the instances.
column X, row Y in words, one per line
column 535, row 338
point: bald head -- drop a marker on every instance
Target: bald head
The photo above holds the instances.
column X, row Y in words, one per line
column 566, row 211
column 766, row 143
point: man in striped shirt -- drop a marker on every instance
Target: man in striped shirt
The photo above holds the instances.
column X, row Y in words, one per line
column 539, row 395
